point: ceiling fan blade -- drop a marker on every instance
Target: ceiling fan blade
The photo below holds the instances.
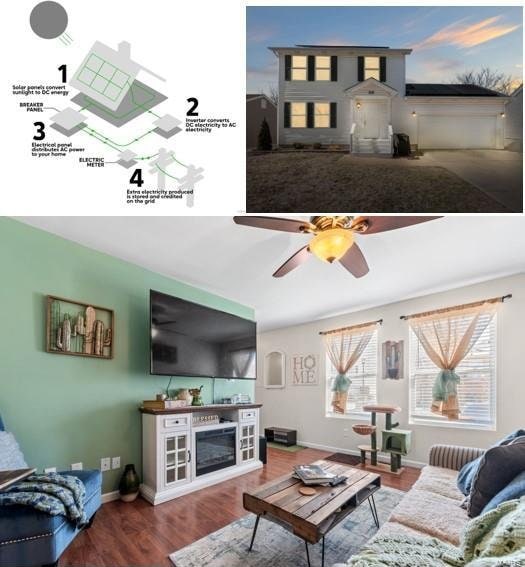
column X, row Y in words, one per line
column 355, row 262
column 275, row 223
column 382, row 224
column 293, row 262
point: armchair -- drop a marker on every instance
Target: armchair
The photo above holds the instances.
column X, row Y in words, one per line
column 29, row 538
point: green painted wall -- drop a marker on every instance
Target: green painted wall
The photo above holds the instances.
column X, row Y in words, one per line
column 65, row 409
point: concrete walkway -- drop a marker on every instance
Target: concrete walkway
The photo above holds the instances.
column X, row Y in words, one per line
column 498, row 173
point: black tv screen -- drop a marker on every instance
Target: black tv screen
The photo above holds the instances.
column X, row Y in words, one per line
column 188, row 339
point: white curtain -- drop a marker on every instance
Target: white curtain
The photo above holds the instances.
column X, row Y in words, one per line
column 344, row 348
column 447, row 337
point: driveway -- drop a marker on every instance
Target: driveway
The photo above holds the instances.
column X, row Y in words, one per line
column 498, row 173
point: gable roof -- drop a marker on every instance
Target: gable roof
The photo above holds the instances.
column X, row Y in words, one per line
column 433, row 89
column 251, row 97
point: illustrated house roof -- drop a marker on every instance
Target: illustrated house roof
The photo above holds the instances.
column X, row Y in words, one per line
column 106, row 75
column 430, row 89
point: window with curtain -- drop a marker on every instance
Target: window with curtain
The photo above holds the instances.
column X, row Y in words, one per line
column 299, row 67
column 363, row 377
column 322, row 115
column 322, row 68
column 473, row 388
column 298, row 115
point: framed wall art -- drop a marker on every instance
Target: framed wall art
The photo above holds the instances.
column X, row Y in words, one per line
column 79, row 329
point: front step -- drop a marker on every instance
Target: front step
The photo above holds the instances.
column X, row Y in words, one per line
column 371, row 146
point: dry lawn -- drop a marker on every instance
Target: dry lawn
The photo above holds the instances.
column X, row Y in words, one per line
column 329, row 183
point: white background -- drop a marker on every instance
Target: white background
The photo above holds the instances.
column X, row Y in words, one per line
column 197, row 46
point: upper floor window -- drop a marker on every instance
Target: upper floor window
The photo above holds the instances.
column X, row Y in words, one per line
column 298, row 115
column 299, row 68
column 322, row 68
column 372, row 68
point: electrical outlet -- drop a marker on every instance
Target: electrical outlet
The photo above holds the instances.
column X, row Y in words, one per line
column 76, row 466
column 115, row 463
column 105, row 464
column 50, row 470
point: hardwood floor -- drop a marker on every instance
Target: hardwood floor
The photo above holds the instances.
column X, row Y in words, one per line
column 141, row 534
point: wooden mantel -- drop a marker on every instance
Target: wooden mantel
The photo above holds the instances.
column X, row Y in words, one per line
column 192, row 409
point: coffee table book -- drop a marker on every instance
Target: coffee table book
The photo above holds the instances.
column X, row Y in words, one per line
column 7, row 478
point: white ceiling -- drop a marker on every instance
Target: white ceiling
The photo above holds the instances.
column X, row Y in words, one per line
column 237, row 262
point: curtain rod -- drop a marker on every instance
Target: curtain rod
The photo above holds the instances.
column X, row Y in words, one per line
column 464, row 306
column 378, row 322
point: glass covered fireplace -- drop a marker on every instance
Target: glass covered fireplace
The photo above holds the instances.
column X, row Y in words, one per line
column 215, row 449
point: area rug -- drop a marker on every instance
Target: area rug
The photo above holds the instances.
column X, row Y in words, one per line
column 344, row 458
column 276, row 547
column 281, row 447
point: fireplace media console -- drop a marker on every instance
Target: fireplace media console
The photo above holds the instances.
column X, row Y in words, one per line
column 182, row 451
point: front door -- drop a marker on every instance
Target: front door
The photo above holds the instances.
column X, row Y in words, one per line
column 373, row 118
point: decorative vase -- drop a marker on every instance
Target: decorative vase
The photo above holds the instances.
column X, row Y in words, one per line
column 129, row 484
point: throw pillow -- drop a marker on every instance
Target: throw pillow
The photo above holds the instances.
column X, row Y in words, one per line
column 468, row 471
column 515, row 489
column 499, row 465
column 11, row 456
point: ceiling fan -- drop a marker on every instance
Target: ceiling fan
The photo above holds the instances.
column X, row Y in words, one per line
column 333, row 237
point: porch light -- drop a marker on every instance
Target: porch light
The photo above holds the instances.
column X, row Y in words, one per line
column 414, row 113
column 358, row 105
column 330, row 245
column 502, row 115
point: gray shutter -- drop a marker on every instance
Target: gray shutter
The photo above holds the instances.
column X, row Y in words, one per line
column 360, row 68
column 309, row 114
column 382, row 69
column 333, row 68
column 333, row 115
column 287, row 111
column 287, row 67
column 311, row 68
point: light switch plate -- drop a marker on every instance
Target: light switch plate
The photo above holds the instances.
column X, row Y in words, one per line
column 50, row 470
column 115, row 463
column 76, row 466
column 105, row 464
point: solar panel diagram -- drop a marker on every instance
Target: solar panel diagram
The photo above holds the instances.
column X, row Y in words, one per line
column 108, row 88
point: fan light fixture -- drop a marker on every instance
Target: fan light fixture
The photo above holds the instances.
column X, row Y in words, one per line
column 332, row 244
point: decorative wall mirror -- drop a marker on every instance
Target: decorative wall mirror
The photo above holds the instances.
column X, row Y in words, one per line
column 274, row 369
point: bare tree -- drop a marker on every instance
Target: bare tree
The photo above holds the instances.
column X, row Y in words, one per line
column 273, row 94
column 487, row 78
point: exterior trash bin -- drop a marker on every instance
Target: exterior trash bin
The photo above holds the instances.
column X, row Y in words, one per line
column 401, row 145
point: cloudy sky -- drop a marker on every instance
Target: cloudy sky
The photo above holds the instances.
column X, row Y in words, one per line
column 446, row 40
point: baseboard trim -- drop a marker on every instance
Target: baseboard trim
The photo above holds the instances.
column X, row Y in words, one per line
column 380, row 458
column 110, row 496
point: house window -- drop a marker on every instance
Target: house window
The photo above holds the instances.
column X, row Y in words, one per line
column 298, row 115
column 476, row 391
column 363, row 387
column 372, row 68
column 322, row 68
column 299, row 72
column 322, row 115
column 263, row 103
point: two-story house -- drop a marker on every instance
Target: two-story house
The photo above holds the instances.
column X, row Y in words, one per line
column 357, row 96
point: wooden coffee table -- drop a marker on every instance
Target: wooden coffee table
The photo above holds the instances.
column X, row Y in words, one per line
column 312, row 517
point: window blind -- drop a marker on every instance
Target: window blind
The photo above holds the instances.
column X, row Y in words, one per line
column 363, row 389
column 476, row 390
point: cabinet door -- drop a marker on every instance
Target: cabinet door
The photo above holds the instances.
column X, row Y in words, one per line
column 176, row 458
column 247, row 442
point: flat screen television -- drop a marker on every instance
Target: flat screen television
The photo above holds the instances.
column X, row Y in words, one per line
column 188, row 339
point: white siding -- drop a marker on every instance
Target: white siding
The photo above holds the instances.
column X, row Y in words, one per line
column 514, row 123
column 330, row 91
